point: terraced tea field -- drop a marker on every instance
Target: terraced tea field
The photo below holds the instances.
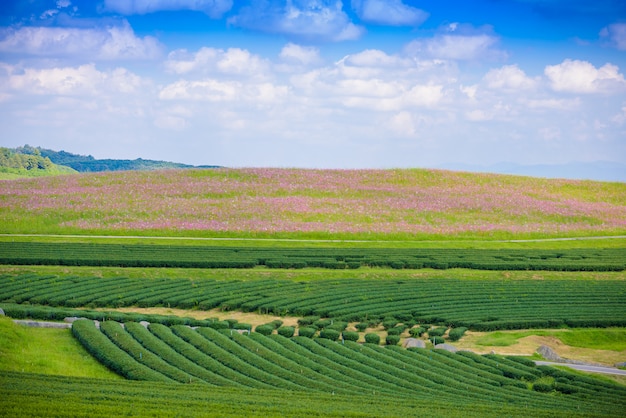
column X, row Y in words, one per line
column 401, row 253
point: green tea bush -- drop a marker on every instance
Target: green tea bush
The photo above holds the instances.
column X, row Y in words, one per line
column 307, row 320
column 330, row 334
column 390, row 322
column 372, row 338
column 307, row 332
column 286, row 331
column 264, row 329
column 395, row 331
column 322, row 323
column 437, row 332
column 417, row 332
column 542, row 387
column 437, row 340
column 350, row 336
column 361, row 326
column 455, row 334
column 242, row 326
column 392, row 339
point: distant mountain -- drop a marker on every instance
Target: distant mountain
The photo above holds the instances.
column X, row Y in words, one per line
column 87, row 163
column 598, row 170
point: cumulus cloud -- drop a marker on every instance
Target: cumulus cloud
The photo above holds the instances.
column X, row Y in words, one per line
column 305, row 55
column 72, row 81
column 299, row 19
column 582, row 77
column 388, row 12
column 115, row 42
column 212, row 90
column 509, row 78
column 616, row 35
column 233, row 62
column 212, row 8
column 457, row 42
column 377, row 58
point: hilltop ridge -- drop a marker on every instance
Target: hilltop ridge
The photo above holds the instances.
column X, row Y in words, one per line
column 87, row 163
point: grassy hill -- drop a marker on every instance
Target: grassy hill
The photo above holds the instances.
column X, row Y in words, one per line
column 405, row 204
column 17, row 164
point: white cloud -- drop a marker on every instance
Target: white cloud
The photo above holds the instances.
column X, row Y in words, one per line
column 616, row 35
column 213, row 8
column 582, row 77
column 212, row 90
column 116, row 42
column 508, row 78
column 82, row 80
column 388, row 12
column 300, row 19
column 233, row 61
column 456, row 47
column 377, row 58
column 305, row 55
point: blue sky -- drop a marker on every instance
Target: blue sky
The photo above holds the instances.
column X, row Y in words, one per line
column 324, row 83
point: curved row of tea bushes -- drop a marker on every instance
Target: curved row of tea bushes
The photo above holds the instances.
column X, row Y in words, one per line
column 138, row 255
column 483, row 305
column 111, row 355
column 30, row 395
column 322, row 365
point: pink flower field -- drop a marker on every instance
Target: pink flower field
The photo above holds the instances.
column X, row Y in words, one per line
column 279, row 201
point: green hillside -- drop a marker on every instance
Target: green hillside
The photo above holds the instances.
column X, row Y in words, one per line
column 87, row 163
column 17, row 164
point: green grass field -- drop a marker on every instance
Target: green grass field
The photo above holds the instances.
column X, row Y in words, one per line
column 46, row 351
column 613, row 339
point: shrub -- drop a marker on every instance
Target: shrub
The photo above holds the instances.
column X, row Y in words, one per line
column 322, row 323
column 286, row 331
column 241, row 325
column 350, row 336
column 219, row 325
column 307, row 332
column 330, row 334
column 436, row 332
column 338, row 325
column 455, row 334
column 372, row 339
column 264, row 329
column 437, row 340
column 417, row 332
column 361, row 326
column 542, row 387
column 392, row 339
column 231, row 322
column 395, row 331
column 307, row 320
column 275, row 324
column 390, row 322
